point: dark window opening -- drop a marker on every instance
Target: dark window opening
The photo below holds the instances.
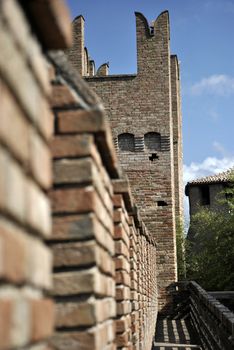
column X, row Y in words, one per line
column 126, row 142
column 153, row 157
column 152, row 141
column 205, row 195
column 162, row 203
column 228, row 196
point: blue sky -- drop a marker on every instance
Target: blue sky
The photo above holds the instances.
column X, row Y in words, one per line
column 202, row 36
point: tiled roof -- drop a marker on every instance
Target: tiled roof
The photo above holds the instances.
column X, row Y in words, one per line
column 221, row 177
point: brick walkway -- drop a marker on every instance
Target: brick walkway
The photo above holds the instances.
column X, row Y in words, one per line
column 175, row 335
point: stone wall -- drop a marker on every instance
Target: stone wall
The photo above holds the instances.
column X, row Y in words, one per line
column 26, row 311
column 137, row 105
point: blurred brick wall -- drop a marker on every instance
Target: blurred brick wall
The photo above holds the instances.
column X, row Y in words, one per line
column 26, row 311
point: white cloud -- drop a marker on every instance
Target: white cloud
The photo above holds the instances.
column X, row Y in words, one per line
column 209, row 166
column 217, row 84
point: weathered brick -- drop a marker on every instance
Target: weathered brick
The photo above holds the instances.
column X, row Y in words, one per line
column 122, row 277
column 32, row 259
column 123, row 339
column 38, row 209
column 53, row 28
column 84, row 313
column 81, row 254
column 5, row 323
column 122, row 263
column 81, row 227
column 121, row 248
column 81, row 121
column 84, row 281
column 93, row 338
column 120, row 233
column 13, row 126
column 15, row 201
column 12, row 244
column 42, row 316
column 17, row 74
column 78, row 171
column 123, row 324
column 122, row 292
column 40, row 155
column 72, row 145
column 63, row 97
column 80, row 200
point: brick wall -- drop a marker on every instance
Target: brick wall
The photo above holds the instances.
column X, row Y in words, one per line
column 104, row 259
column 26, row 311
column 149, row 102
column 104, row 280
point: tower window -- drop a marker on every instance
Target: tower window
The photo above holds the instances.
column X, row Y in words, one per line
column 152, row 141
column 126, row 142
column 162, row 204
column 205, row 195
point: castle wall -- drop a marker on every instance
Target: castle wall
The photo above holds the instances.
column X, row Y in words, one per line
column 149, row 102
column 105, row 285
column 26, row 311
column 177, row 136
column 92, row 254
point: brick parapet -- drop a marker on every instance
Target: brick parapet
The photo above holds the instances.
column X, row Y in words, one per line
column 95, row 230
column 26, row 311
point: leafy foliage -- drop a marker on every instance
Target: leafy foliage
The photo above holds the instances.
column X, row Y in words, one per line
column 210, row 254
column 180, row 249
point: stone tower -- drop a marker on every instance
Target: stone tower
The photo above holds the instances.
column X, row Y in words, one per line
column 145, row 116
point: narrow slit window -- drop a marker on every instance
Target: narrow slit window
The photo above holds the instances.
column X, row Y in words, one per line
column 205, row 195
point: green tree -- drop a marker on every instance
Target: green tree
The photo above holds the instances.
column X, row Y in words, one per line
column 210, row 254
column 180, row 249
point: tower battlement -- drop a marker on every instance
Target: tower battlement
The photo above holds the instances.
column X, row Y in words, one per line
column 145, row 116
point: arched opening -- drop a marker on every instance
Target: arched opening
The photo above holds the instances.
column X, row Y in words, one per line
column 126, row 142
column 152, row 141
